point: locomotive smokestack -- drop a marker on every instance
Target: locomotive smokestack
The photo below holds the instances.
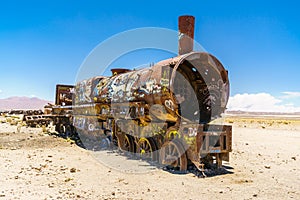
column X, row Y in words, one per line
column 186, row 34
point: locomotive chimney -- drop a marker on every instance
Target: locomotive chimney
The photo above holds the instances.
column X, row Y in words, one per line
column 186, row 34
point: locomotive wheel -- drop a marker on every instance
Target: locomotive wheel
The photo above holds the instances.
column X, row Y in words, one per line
column 68, row 131
column 126, row 143
column 147, row 149
column 173, row 154
column 60, row 128
column 132, row 143
column 172, row 133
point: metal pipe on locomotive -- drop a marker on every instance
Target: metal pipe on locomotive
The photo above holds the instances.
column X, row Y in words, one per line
column 162, row 112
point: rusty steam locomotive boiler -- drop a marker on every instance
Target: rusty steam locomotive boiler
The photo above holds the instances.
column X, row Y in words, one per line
column 163, row 112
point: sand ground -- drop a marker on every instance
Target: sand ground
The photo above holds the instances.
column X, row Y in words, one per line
column 265, row 164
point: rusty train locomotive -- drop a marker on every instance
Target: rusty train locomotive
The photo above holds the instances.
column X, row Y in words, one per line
column 163, row 112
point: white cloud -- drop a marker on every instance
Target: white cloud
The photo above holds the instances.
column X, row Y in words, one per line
column 260, row 102
column 289, row 95
column 0, row 91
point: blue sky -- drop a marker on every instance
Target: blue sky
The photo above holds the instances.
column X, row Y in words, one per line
column 43, row 43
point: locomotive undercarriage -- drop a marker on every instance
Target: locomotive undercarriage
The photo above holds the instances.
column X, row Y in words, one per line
column 169, row 143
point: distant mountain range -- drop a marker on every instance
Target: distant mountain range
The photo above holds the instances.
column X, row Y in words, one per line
column 247, row 113
column 33, row 103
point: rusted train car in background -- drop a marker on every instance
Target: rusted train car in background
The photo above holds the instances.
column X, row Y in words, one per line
column 163, row 112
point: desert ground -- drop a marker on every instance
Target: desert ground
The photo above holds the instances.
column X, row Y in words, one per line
column 264, row 164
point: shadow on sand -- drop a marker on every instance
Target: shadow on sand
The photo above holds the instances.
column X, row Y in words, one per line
column 102, row 146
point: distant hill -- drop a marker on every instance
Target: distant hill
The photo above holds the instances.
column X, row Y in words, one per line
column 22, row 103
column 259, row 113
